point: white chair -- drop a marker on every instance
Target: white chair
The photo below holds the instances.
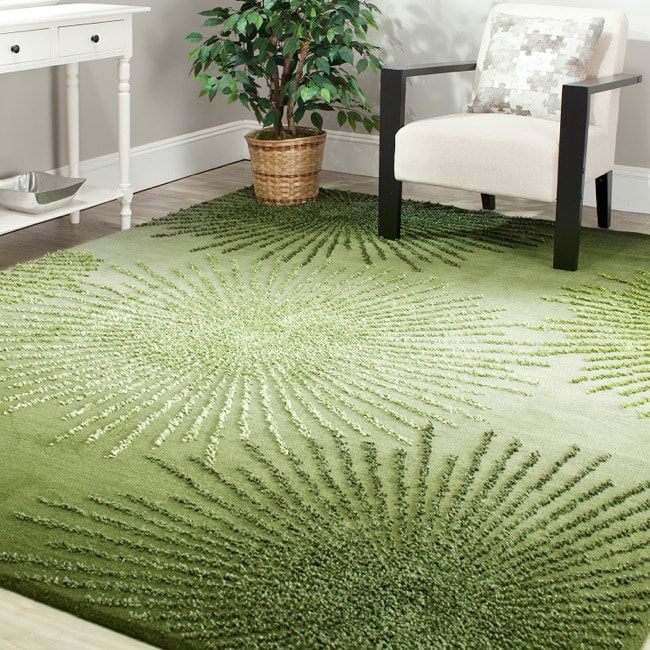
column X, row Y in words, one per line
column 512, row 155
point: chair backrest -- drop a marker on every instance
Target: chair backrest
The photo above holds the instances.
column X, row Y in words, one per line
column 608, row 59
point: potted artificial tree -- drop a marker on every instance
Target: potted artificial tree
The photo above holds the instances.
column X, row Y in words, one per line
column 284, row 60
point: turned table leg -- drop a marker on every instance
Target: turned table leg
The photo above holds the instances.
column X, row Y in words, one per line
column 124, row 118
column 72, row 89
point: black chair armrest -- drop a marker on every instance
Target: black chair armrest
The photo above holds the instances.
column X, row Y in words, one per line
column 593, row 86
column 421, row 69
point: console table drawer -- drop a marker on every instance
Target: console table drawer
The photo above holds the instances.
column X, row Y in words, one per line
column 92, row 38
column 24, row 47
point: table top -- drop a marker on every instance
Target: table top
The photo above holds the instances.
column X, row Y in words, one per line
column 58, row 12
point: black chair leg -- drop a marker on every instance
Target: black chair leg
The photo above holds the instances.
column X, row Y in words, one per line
column 574, row 128
column 568, row 222
column 392, row 100
column 604, row 200
column 489, row 201
column 390, row 207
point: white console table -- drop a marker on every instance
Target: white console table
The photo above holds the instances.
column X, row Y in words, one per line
column 67, row 34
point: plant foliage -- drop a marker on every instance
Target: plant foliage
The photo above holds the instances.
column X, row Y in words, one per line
column 284, row 59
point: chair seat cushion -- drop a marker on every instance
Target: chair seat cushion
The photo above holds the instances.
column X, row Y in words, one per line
column 491, row 153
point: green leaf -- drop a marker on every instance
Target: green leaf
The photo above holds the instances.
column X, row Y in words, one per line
column 230, row 22
column 255, row 19
column 194, row 37
column 241, row 25
column 341, row 118
column 204, row 54
column 307, row 93
column 289, row 89
column 346, row 54
column 323, row 65
column 300, row 113
column 271, row 117
column 241, row 76
column 290, row 47
column 317, row 120
column 354, row 118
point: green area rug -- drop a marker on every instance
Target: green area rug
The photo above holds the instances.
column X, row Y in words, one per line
column 252, row 426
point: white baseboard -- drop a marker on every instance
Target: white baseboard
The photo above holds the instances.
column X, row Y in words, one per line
column 353, row 153
column 168, row 160
column 631, row 191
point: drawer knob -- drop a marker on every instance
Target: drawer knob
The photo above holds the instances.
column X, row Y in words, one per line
column 95, row 38
column 15, row 49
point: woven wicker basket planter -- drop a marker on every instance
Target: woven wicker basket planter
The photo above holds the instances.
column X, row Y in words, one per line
column 287, row 171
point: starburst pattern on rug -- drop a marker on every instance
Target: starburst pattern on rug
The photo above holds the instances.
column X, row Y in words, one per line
column 348, row 220
column 43, row 279
column 213, row 347
column 611, row 330
column 341, row 547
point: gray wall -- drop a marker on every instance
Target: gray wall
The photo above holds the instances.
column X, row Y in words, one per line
column 165, row 103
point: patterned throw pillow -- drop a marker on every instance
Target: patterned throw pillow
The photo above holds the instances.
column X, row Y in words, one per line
column 529, row 60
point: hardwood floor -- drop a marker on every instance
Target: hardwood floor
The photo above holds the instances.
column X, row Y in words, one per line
column 26, row 625
column 160, row 201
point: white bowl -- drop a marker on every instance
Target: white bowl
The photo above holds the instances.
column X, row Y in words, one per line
column 38, row 192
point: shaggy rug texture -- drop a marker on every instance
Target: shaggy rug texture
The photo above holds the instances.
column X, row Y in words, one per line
column 248, row 426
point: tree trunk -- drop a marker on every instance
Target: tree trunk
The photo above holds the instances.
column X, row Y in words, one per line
column 276, row 89
column 291, row 118
column 291, row 104
column 277, row 127
column 287, row 69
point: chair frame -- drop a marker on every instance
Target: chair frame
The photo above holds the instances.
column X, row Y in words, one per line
column 574, row 131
